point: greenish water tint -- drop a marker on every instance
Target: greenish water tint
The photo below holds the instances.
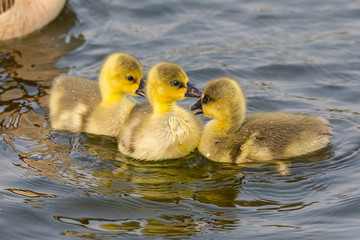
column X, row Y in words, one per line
column 302, row 56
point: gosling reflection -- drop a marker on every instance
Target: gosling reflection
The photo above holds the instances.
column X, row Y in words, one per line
column 163, row 226
column 168, row 182
column 96, row 164
column 92, row 165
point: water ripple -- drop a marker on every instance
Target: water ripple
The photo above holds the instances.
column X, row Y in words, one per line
column 287, row 57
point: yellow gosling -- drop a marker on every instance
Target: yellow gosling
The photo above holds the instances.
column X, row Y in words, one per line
column 21, row 17
column 233, row 137
column 162, row 129
column 82, row 105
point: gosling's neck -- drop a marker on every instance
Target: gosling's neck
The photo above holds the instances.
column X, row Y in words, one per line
column 111, row 97
column 160, row 106
column 229, row 121
column 108, row 95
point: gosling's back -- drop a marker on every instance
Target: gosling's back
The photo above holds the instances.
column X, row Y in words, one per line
column 71, row 101
column 284, row 135
column 268, row 136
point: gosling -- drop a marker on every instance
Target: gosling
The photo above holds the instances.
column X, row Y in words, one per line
column 83, row 105
column 162, row 129
column 233, row 137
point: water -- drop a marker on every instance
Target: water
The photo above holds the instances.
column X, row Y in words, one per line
column 302, row 56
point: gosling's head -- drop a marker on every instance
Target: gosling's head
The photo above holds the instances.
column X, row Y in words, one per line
column 121, row 73
column 167, row 82
column 222, row 99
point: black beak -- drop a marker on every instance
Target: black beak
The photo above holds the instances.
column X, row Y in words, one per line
column 197, row 106
column 141, row 89
column 191, row 91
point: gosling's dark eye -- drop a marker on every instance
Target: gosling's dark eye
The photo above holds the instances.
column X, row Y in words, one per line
column 130, row 78
column 175, row 83
column 206, row 99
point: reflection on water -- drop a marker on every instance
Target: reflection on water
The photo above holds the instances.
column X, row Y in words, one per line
column 33, row 57
column 161, row 199
column 165, row 226
column 81, row 186
column 28, row 193
column 26, row 66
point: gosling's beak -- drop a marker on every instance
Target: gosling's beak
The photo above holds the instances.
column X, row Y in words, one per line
column 141, row 89
column 197, row 106
column 191, row 91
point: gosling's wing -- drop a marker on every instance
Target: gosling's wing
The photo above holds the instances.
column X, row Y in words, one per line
column 286, row 135
column 74, row 90
column 71, row 101
column 137, row 118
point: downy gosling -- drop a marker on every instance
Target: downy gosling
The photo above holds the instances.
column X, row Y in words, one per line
column 83, row 105
column 233, row 137
column 161, row 129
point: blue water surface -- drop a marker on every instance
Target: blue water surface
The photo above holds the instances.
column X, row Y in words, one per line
column 298, row 56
